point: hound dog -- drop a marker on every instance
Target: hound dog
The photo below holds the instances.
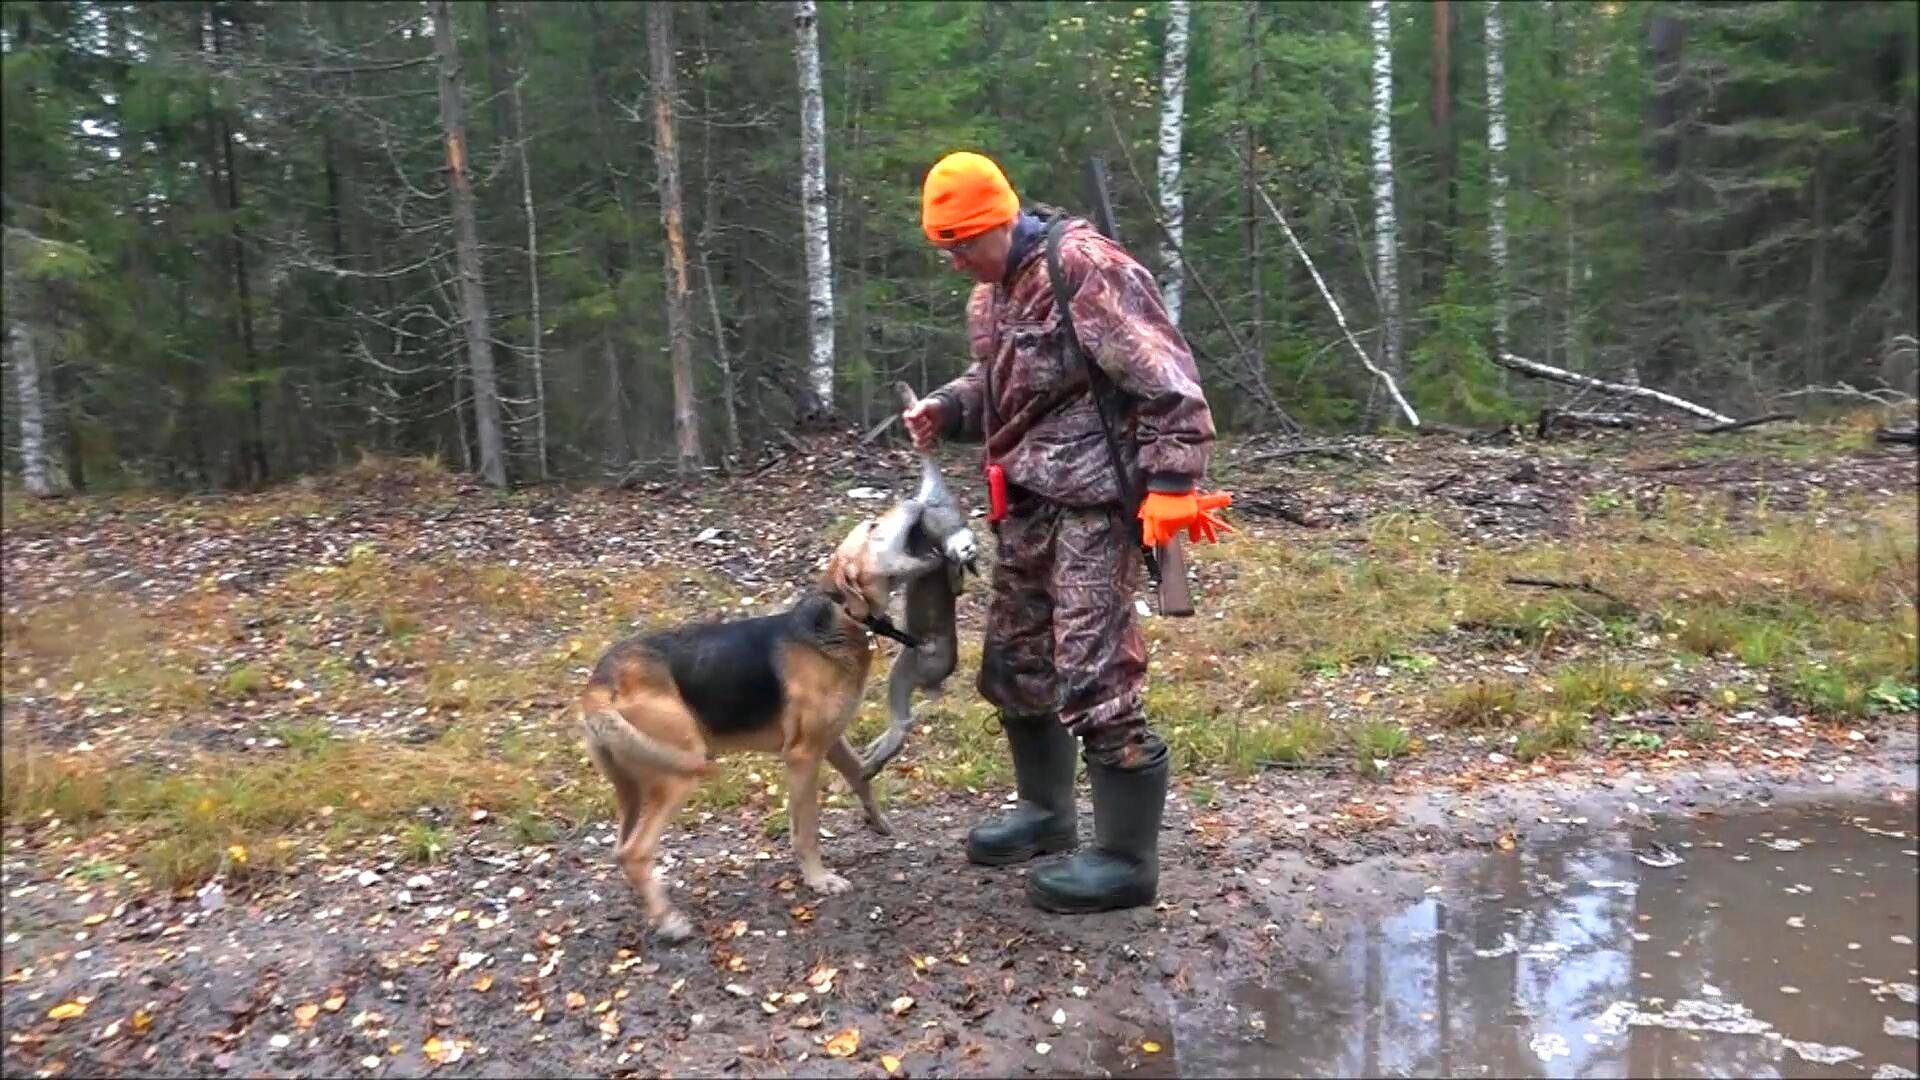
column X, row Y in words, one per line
column 657, row 704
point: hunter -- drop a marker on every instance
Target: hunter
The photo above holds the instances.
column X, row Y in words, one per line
column 1064, row 659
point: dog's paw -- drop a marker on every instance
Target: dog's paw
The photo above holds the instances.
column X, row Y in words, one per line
column 674, row 928
column 829, row 884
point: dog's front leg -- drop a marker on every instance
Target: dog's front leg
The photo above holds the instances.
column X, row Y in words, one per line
column 803, row 814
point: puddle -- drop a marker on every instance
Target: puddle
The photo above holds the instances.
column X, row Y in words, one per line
column 1778, row 943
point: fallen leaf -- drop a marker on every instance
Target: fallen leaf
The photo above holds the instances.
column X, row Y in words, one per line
column 70, row 1010
column 441, row 1052
column 304, row 1015
column 1043, row 1049
column 333, row 1003
column 890, row 1063
column 94, row 919
column 1150, row 1047
column 901, row 1004
column 610, row 1025
column 483, row 982
column 844, row 1044
column 140, row 1021
column 576, row 1000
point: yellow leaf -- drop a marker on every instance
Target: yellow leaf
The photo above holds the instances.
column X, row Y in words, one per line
column 844, row 1044
column 140, row 1021
column 67, row 1011
column 610, row 1025
column 305, row 1015
column 890, row 1063
column 1150, row 1046
column 439, row 1052
column 94, row 919
column 576, row 1000
column 333, row 1003
column 237, row 853
column 483, row 982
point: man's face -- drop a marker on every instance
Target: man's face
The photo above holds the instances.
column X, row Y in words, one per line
column 984, row 257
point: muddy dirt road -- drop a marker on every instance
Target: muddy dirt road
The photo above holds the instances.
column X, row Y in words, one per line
column 1510, row 931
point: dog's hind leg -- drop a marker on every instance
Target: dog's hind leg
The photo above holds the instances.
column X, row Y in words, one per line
column 635, row 854
column 803, row 814
column 847, row 762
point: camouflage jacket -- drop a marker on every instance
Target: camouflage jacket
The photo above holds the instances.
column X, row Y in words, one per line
column 1041, row 424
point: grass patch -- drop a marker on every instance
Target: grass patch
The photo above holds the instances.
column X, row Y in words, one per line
column 244, row 681
column 40, row 785
column 1274, row 682
column 1483, row 703
column 1557, row 732
column 421, row 842
column 1379, row 741
column 305, row 736
column 1604, row 686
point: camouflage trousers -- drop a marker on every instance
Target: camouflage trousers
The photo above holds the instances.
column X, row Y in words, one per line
column 1062, row 636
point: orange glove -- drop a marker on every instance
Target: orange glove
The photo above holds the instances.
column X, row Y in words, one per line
column 1162, row 517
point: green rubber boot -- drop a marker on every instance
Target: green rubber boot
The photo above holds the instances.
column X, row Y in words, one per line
column 1043, row 820
column 1122, row 868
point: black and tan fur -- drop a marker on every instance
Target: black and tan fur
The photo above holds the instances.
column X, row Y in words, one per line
column 658, row 704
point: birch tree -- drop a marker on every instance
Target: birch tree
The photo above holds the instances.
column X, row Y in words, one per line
column 1497, row 168
column 1385, row 225
column 813, row 198
column 1173, row 92
column 466, row 239
column 25, row 360
column 534, row 360
column 666, row 156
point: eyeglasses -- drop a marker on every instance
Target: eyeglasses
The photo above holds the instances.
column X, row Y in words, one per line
column 962, row 248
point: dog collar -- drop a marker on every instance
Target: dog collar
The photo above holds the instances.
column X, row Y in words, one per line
column 880, row 624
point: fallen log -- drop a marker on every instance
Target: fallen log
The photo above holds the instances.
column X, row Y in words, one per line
column 1566, row 418
column 1742, row 425
column 1570, row 378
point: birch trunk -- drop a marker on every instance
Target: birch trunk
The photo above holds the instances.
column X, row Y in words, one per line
column 533, row 274
column 1257, row 333
column 33, row 410
column 813, row 197
column 1385, row 224
column 1497, row 168
column 1173, row 93
column 666, row 156
column 473, row 292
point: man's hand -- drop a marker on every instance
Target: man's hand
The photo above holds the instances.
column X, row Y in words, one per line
column 924, row 422
column 1163, row 515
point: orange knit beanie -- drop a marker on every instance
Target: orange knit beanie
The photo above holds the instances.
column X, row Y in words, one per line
column 965, row 195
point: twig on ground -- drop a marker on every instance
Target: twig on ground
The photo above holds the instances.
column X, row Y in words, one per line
column 1582, row 585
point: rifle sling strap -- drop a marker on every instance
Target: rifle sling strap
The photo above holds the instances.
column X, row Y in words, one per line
column 1099, row 386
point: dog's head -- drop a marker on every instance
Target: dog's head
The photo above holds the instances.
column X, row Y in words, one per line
column 855, row 573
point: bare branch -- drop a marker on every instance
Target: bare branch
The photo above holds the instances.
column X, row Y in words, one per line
column 1339, row 316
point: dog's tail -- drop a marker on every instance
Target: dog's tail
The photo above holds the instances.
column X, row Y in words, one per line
column 607, row 732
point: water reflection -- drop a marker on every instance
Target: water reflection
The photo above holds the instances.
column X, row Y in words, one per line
column 1564, row 961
